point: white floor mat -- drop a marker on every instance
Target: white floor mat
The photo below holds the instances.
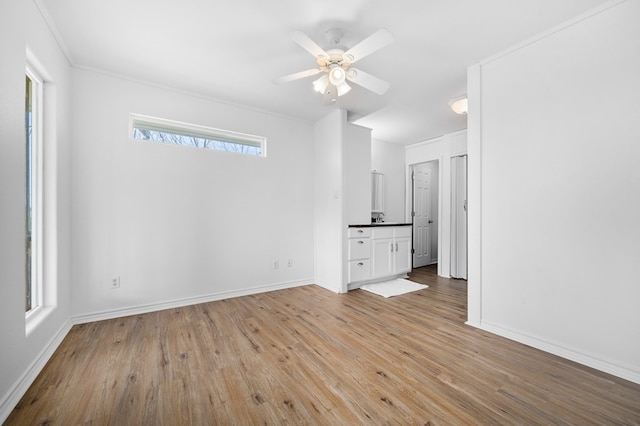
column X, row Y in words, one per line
column 393, row 287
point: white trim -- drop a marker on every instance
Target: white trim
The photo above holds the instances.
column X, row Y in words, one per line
column 191, row 93
column 54, row 31
column 624, row 371
column 20, row 387
column 540, row 36
column 434, row 139
column 474, row 196
column 187, row 301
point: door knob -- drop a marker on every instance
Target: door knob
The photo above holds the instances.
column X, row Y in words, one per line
column 430, row 221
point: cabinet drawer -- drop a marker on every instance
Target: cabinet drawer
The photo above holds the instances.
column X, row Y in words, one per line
column 359, row 270
column 359, row 248
column 403, row 231
column 383, row 232
column 359, row 232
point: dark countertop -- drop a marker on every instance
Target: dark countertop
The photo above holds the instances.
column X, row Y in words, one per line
column 375, row 225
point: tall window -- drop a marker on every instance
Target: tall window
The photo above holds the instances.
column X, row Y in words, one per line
column 34, row 169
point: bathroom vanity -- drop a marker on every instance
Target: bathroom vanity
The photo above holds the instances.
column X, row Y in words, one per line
column 378, row 252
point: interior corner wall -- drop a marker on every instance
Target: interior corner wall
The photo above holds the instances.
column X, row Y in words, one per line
column 181, row 225
column 388, row 158
column 22, row 356
column 557, row 148
column 330, row 221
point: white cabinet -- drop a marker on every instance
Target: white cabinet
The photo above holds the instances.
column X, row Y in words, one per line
column 359, row 254
column 391, row 250
column 378, row 252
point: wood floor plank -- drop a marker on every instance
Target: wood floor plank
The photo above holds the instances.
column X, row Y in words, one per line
column 308, row 356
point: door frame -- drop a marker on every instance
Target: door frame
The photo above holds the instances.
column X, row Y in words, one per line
column 435, row 215
column 444, row 213
column 458, row 271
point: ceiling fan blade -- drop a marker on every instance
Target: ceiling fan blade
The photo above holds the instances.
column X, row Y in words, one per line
column 307, row 44
column 373, row 43
column 297, row 76
column 368, row 81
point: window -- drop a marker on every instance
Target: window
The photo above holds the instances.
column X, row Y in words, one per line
column 34, row 172
column 176, row 133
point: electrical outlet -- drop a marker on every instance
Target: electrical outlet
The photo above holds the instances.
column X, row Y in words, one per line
column 276, row 264
column 290, row 263
column 115, row 282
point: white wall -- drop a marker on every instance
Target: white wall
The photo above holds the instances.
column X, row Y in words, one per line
column 554, row 229
column 388, row 158
column 22, row 356
column 439, row 149
column 358, row 175
column 330, row 206
column 177, row 224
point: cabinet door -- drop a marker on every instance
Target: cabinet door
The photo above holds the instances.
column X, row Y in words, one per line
column 382, row 257
column 402, row 252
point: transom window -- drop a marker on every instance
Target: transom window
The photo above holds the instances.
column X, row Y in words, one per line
column 185, row 134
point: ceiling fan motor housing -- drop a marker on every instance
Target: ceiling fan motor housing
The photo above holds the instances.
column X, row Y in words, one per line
column 336, row 57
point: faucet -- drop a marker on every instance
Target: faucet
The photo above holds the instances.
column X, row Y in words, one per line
column 380, row 218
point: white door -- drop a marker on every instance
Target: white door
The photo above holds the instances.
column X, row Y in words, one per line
column 421, row 216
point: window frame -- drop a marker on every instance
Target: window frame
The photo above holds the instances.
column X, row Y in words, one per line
column 34, row 185
column 205, row 133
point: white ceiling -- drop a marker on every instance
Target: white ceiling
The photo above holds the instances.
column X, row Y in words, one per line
column 232, row 50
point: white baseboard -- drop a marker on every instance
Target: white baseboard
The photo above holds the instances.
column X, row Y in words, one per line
column 152, row 307
column 12, row 397
column 593, row 361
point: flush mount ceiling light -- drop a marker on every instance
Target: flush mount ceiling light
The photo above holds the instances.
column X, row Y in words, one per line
column 336, row 61
column 459, row 105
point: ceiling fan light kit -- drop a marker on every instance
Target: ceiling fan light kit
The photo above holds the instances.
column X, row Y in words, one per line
column 337, row 76
column 320, row 85
column 335, row 63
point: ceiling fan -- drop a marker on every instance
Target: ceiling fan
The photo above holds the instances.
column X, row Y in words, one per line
column 335, row 62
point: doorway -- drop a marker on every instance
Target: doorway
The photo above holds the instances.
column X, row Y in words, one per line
column 424, row 212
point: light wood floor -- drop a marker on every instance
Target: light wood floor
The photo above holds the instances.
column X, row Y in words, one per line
column 309, row 356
